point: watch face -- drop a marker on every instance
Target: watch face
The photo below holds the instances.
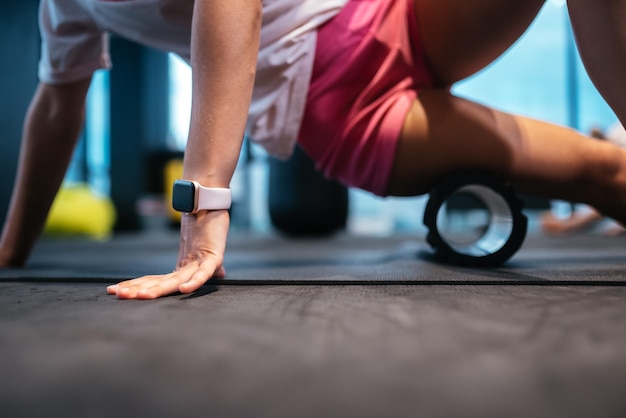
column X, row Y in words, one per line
column 183, row 196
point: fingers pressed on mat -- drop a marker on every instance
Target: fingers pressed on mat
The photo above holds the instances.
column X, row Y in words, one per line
column 204, row 272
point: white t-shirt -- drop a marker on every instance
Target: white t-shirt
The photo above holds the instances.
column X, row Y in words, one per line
column 75, row 44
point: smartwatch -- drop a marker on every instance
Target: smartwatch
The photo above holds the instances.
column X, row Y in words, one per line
column 190, row 197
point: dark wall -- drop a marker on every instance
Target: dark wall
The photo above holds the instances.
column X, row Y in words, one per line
column 19, row 56
column 139, row 107
column 139, row 123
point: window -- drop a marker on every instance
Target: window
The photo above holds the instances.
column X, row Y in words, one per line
column 91, row 160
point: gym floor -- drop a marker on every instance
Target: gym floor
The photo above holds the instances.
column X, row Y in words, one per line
column 345, row 326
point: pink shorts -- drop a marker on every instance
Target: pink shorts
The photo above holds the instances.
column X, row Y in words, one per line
column 369, row 67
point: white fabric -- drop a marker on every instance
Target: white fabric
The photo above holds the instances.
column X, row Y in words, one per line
column 75, row 44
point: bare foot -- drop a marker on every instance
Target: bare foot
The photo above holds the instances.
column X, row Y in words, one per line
column 579, row 221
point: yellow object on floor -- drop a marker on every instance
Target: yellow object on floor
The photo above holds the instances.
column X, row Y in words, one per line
column 77, row 210
column 173, row 170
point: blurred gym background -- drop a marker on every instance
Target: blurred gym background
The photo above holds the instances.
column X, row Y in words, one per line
column 138, row 116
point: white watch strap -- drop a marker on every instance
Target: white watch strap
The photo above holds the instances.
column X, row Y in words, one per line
column 212, row 198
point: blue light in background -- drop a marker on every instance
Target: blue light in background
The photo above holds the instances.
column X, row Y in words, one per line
column 91, row 160
column 542, row 77
column 98, row 134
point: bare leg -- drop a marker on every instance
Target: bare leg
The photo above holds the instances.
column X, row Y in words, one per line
column 443, row 133
column 601, row 38
column 51, row 129
column 580, row 220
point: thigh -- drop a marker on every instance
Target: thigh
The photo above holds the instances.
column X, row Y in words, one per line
column 460, row 37
column 443, row 133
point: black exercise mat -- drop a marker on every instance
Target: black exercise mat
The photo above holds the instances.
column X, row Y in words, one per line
column 342, row 259
column 292, row 350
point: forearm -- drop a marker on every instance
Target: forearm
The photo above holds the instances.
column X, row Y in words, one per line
column 224, row 49
column 51, row 129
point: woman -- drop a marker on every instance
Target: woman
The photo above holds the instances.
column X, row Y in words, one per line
column 379, row 114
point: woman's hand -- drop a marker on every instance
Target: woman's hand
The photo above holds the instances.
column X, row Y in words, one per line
column 224, row 47
column 201, row 254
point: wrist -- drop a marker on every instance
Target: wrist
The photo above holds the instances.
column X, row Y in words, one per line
column 189, row 196
column 207, row 181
